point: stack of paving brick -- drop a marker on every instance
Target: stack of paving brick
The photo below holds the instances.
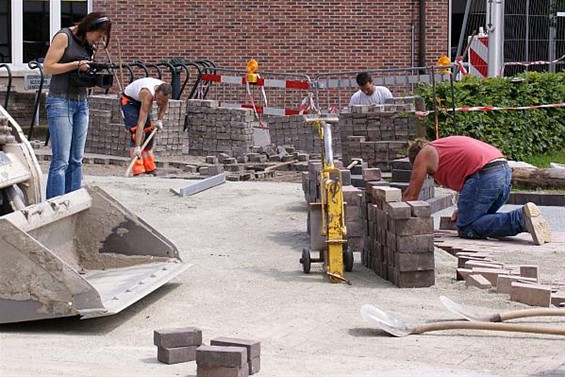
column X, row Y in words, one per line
column 106, row 132
column 20, row 106
column 400, row 242
column 228, row 357
column 401, row 172
column 378, row 133
column 177, row 345
column 352, row 197
column 171, row 140
column 292, row 130
column 212, row 129
column 311, row 181
column 521, row 282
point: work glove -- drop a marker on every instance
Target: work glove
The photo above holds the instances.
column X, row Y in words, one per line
column 159, row 125
column 137, row 152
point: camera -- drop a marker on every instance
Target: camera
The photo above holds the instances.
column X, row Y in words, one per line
column 98, row 75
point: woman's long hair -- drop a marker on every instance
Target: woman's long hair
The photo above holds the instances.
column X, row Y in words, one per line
column 95, row 21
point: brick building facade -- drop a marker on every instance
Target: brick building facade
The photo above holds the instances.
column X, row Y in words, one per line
column 286, row 36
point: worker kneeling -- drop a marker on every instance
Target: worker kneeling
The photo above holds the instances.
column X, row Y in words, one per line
column 481, row 175
column 137, row 101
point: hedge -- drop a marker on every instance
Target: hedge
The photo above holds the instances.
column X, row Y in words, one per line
column 517, row 133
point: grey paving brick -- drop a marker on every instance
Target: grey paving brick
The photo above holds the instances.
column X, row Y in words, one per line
column 177, row 337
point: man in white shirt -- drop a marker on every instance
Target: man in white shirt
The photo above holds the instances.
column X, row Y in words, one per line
column 137, row 101
column 368, row 94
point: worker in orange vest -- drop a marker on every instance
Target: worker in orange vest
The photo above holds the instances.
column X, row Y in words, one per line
column 137, row 101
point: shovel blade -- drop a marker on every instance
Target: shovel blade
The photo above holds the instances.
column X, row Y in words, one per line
column 384, row 321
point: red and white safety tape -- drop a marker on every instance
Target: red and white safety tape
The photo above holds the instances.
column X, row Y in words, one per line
column 491, row 108
column 527, row 64
column 267, row 83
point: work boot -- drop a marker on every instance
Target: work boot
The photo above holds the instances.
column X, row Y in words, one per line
column 536, row 224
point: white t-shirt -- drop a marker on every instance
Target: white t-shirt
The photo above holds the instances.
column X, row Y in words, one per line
column 378, row 97
column 149, row 83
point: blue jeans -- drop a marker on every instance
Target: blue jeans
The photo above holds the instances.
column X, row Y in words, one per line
column 68, row 124
column 482, row 195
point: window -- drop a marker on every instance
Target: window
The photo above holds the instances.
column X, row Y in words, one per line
column 27, row 26
column 5, row 32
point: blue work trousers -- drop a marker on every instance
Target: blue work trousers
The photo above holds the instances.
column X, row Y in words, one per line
column 481, row 197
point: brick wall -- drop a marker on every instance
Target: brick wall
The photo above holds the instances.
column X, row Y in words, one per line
column 305, row 37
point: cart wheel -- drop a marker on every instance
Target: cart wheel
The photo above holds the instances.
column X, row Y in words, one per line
column 305, row 260
column 348, row 259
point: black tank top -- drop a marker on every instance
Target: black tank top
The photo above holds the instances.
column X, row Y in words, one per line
column 60, row 84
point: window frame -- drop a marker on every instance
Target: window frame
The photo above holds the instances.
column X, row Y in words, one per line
column 17, row 15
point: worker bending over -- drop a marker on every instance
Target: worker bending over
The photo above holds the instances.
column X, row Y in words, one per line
column 480, row 173
column 137, row 101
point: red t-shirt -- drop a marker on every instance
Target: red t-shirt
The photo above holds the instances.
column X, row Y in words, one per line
column 459, row 157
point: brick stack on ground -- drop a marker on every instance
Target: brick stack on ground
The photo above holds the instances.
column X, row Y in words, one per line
column 107, row 134
column 212, row 129
column 253, row 350
column 220, row 361
column 293, row 130
column 379, row 133
column 400, row 243
column 177, row 345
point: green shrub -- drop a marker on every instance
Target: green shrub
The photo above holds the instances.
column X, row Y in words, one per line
column 517, row 133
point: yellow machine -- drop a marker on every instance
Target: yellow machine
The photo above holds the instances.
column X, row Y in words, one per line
column 335, row 255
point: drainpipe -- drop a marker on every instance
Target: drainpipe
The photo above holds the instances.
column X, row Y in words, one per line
column 422, row 61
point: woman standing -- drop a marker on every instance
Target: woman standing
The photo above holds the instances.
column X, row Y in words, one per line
column 67, row 108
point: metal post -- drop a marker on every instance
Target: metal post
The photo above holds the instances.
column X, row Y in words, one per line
column 463, row 27
column 495, row 37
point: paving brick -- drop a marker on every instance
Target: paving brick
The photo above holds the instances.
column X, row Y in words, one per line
column 491, row 273
column 414, row 244
column 462, row 273
column 253, row 347
column 531, row 294
column 388, row 194
column 206, row 371
column 558, row 299
column 398, row 210
column 445, row 223
column 462, row 259
column 176, row 355
column 414, row 261
column 355, row 228
column 177, row 337
column 504, row 282
column 351, row 195
column 352, row 213
column 420, row 208
column 529, row 271
column 476, row 263
column 411, row 226
column 372, row 174
column 254, row 365
column 414, row 279
column 477, row 280
column 219, row 356
column 345, row 177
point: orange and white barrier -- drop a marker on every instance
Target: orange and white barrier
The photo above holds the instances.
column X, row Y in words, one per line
column 478, row 57
column 261, row 83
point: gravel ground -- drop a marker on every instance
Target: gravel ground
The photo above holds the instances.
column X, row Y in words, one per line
column 244, row 240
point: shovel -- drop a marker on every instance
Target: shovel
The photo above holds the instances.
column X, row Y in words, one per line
column 454, row 307
column 398, row 328
column 134, row 158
